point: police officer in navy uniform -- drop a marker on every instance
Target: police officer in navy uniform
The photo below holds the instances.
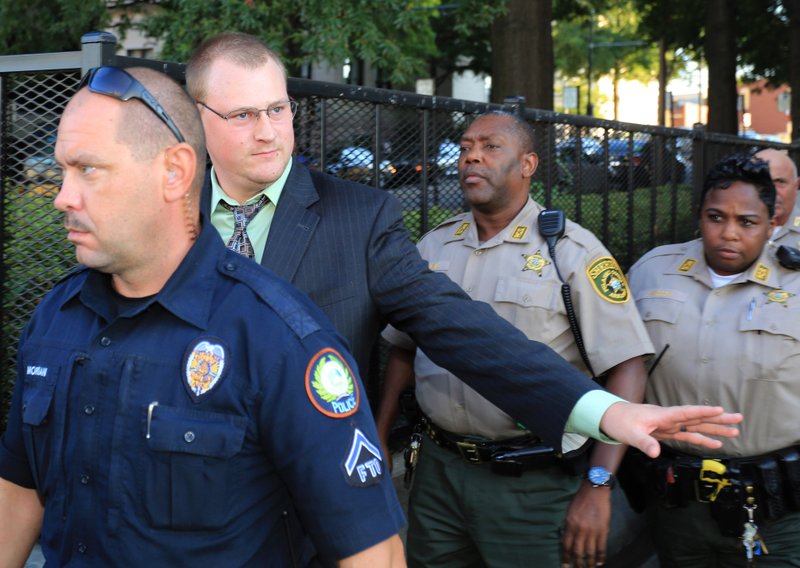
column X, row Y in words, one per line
column 177, row 404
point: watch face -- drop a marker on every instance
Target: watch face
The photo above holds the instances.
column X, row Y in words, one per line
column 598, row 475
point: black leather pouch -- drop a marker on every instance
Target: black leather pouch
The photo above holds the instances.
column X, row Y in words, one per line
column 789, row 464
column 770, row 484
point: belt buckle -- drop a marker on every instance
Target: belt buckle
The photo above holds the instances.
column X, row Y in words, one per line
column 469, row 451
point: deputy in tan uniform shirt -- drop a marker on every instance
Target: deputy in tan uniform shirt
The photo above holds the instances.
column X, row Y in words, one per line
column 730, row 315
column 783, row 171
column 497, row 255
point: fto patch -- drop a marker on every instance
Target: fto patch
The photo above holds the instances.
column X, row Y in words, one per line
column 204, row 365
column 330, row 384
column 608, row 281
column 363, row 465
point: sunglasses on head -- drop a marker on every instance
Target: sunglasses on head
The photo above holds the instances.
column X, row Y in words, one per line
column 121, row 85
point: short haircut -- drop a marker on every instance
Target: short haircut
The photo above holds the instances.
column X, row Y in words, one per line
column 739, row 167
column 146, row 135
column 244, row 50
column 520, row 128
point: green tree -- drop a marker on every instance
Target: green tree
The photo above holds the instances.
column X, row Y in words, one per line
column 37, row 26
column 393, row 35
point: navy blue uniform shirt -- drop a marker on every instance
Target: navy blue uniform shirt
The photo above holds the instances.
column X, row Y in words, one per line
column 202, row 426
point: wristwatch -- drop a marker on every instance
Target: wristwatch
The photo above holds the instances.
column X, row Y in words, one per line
column 599, row 476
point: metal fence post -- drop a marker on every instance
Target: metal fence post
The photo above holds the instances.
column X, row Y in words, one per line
column 698, row 163
column 97, row 49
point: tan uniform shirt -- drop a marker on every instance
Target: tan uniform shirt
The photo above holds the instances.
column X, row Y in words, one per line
column 737, row 346
column 514, row 273
column 789, row 234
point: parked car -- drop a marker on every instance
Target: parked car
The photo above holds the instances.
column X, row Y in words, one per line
column 579, row 167
column 39, row 165
column 447, row 158
column 358, row 164
column 649, row 168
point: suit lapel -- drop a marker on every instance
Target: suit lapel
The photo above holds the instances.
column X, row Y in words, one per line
column 293, row 224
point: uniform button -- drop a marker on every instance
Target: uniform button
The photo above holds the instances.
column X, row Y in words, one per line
column 526, row 298
column 469, row 289
column 189, row 437
column 478, row 252
column 80, row 359
column 230, row 267
column 105, row 341
column 88, row 410
column 85, row 479
column 81, row 548
column 704, row 360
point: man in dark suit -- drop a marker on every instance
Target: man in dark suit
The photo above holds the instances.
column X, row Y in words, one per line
column 344, row 244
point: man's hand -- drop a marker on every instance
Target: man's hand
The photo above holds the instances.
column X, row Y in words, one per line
column 586, row 527
column 643, row 425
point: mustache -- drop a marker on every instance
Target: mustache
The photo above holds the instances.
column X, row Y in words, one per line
column 72, row 223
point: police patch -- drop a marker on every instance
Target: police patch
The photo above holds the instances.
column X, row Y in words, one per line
column 535, row 262
column 363, row 465
column 204, row 365
column 608, row 281
column 330, row 384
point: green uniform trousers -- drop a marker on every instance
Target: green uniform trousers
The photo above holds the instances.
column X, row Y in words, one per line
column 462, row 515
column 687, row 537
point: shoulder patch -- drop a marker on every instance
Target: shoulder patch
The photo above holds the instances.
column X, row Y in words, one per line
column 363, row 465
column 608, row 281
column 687, row 265
column 204, row 366
column 330, row 384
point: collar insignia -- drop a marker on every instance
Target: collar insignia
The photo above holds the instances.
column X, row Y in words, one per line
column 363, row 465
column 461, row 230
column 796, row 221
column 607, row 280
column 330, row 384
column 205, row 363
column 761, row 273
column 778, row 296
column 519, row 232
column 687, row 265
column 535, row 262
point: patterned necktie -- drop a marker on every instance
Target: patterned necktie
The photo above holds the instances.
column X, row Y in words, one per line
column 242, row 215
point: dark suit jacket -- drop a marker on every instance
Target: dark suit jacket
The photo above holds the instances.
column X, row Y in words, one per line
column 345, row 245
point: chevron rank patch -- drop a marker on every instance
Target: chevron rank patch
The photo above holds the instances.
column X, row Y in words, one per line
column 363, row 465
column 204, row 365
column 330, row 384
column 608, row 281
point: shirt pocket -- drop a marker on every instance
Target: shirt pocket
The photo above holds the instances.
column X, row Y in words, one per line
column 660, row 305
column 772, row 342
column 532, row 306
column 187, row 475
column 39, row 428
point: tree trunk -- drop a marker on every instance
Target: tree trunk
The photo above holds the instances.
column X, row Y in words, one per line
column 522, row 53
column 720, row 48
column 793, row 10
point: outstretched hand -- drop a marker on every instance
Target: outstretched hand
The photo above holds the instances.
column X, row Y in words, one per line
column 643, row 425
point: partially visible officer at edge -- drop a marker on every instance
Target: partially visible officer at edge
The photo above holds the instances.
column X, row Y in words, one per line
column 496, row 252
column 730, row 316
column 176, row 404
column 345, row 245
column 783, row 171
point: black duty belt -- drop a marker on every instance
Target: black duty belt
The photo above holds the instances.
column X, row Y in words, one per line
column 510, row 456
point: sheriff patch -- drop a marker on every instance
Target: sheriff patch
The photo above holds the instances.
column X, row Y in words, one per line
column 363, row 465
column 330, row 384
column 778, row 297
column 608, row 281
column 535, row 262
column 204, row 366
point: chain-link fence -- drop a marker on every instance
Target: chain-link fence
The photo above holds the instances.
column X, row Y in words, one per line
column 634, row 186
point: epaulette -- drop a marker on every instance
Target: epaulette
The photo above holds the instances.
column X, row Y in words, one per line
column 282, row 297
column 450, row 221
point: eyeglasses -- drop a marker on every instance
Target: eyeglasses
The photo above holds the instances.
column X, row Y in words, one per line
column 280, row 112
column 121, row 85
